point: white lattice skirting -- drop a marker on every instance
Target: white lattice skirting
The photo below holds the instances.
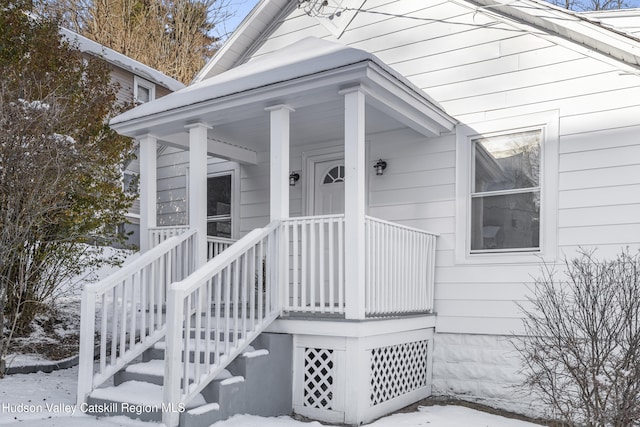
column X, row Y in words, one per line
column 318, row 378
column 358, row 379
column 397, row 370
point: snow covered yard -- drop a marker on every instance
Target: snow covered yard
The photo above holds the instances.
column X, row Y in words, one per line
column 48, row 400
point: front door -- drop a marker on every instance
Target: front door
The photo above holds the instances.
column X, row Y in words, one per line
column 329, row 187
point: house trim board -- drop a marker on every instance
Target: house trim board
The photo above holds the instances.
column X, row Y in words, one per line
column 351, row 328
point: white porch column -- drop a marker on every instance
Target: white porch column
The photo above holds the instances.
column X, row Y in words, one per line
column 354, row 201
column 148, row 188
column 279, row 169
column 198, row 188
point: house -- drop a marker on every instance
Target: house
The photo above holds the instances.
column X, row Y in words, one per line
column 397, row 171
column 137, row 83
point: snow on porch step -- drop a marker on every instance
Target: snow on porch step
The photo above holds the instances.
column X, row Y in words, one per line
column 135, row 399
column 157, row 350
column 153, row 372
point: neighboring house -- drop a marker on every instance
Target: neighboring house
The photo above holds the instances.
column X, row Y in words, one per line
column 137, row 83
column 397, row 171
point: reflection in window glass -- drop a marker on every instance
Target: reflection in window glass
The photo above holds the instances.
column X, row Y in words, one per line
column 219, row 206
column 505, row 204
column 144, row 94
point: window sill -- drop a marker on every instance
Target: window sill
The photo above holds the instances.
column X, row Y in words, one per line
column 532, row 257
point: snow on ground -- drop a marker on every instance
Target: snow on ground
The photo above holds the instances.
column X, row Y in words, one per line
column 48, row 400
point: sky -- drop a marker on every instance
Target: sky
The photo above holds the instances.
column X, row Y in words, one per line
column 240, row 9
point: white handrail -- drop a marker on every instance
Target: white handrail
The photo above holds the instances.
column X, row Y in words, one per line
column 130, row 316
column 215, row 313
column 400, row 226
column 313, row 258
column 400, row 266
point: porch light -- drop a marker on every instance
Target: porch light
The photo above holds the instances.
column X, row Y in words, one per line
column 380, row 167
column 293, row 178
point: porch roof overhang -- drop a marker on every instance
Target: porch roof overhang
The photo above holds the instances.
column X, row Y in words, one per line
column 307, row 76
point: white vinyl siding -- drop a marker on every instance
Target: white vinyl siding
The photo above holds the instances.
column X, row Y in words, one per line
column 487, row 73
column 482, row 68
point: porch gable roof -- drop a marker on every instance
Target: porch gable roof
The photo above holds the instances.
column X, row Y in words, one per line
column 261, row 81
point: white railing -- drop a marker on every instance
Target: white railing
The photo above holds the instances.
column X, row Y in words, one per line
column 400, row 265
column 126, row 310
column 158, row 235
column 314, row 264
column 215, row 313
column 215, row 245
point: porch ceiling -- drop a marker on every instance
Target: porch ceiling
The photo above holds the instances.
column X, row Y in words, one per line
column 306, row 76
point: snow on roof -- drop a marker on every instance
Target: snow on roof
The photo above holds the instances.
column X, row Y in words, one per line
column 122, row 61
column 305, row 57
column 626, row 20
column 622, row 44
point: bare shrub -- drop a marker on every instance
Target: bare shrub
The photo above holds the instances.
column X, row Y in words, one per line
column 581, row 350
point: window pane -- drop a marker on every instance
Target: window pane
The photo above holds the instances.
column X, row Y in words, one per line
column 507, row 162
column 220, row 228
column 334, row 175
column 144, row 94
column 506, row 222
column 219, row 195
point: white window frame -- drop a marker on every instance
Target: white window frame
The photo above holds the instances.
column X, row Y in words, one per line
column 548, row 122
column 233, row 169
column 140, row 82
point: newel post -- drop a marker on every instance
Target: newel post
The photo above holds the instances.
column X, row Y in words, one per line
column 198, row 189
column 173, row 358
column 148, row 188
column 354, row 201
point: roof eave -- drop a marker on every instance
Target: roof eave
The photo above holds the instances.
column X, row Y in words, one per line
column 385, row 91
column 236, row 46
column 570, row 25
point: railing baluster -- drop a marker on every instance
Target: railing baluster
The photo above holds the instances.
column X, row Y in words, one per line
column 295, row 272
column 227, row 308
column 261, row 280
column 133, row 311
column 321, row 256
column 284, row 281
column 198, row 336
column 341, row 265
column 207, row 327
column 186, row 347
column 304, row 283
column 218, row 292
column 143, row 304
column 123, row 319
column 312, row 266
column 245, row 284
column 103, row 334
column 114, row 324
column 331, row 254
column 252, row 286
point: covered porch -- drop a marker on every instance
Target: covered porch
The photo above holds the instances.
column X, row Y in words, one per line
column 356, row 291
column 346, row 263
